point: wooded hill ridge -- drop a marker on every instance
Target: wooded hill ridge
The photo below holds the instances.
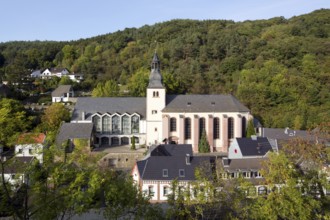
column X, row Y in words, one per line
column 278, row 67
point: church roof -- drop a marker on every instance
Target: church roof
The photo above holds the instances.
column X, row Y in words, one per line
column 203, row 103
column 109, row 105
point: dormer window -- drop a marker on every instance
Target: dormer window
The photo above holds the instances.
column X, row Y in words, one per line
column 165, row 172
column 213, row 103
column 188, row 103
column 181, row 173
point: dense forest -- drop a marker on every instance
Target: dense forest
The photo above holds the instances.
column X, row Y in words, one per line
column 279, row 67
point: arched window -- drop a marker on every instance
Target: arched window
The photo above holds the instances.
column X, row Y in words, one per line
column 230, row 128
column 201, row 126
column 97, row 123
column 243, row 127
column 126, row 128
column 173, row 124
column 135, row 124
column 216, row 128
column 106, row 124
column 115, row 124
column 187, row 128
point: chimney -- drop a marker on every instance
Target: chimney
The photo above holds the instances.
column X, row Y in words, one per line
column 188, row 159
column 83, row 116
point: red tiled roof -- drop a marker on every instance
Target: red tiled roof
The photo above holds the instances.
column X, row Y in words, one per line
column 31, row 138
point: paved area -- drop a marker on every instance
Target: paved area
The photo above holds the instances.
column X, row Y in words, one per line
column 119, row 149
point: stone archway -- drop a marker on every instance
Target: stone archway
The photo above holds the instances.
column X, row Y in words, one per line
column 124, row 141
column 104, row 141
column 114, row 141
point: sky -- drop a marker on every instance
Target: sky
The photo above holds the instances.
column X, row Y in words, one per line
column 66, row 20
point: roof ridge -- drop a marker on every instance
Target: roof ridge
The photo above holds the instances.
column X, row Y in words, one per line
column 144, row 169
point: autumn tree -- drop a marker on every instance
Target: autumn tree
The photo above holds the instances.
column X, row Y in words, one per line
column 108, row 89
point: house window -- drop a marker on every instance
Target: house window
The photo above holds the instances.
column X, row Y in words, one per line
column 181, row 173
column 106, row 124
column 216, row 128
column 115, row 124
column 151, row 191
column 230, row 128
column 173, row 124
column 125, row 124
column 166, row 190
column 97, row 123
column 262, row 190
column 201, row 127
column 20, row 151
column 165, row 172
column 30, row 152
column 187, row 128
column 135, row 124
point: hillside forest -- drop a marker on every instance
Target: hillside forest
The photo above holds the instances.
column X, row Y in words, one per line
column 278, row 67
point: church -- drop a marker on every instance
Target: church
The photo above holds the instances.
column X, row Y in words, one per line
column 162, row 118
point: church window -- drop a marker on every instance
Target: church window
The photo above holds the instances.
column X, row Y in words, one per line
column 125, row 124
column 187, row 128
column 155, row 94
column 106, row 124
column 243, row 127
column 230, row 128
column 97, row 123
column 135, row 124
column 115, row 124
column 216, row 128
column 201, row 126
column 173, row 124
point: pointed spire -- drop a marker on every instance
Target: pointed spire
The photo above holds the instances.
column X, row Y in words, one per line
column 155, row 78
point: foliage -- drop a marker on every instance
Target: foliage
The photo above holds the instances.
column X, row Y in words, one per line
column 133, row 143
column 13, row 120
column 108, row 89
column 203, row 145
column 250, row 129
column 278, row 67
column 53, row 117
column 65, row 80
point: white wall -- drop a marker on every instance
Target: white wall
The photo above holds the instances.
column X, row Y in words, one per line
column 30, row 150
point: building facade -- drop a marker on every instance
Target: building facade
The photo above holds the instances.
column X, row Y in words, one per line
column 161, row 118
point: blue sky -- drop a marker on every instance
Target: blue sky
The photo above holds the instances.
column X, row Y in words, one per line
column 59, row 20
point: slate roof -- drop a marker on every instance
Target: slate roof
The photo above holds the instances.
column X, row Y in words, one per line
column 247, row 164
column 283, row 133
column 74, row 130
column 152, row 167
column 172, row 150
column 250, row 147
column 17, row 164
column 57, row 70
column 155, row 78
column 110, row 105
column 203, row 103
column 59, row 91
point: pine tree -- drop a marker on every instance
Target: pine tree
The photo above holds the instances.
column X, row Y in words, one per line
column 133, row 143
column 203, row 146
column 250, row 129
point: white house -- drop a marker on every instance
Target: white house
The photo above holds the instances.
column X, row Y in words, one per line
column 15, row 170
column 62, row 93
column 160, row 118
column 30, row 145
column 50, row 72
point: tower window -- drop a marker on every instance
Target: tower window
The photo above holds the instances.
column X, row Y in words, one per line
column 155, row 94
column 154, row 112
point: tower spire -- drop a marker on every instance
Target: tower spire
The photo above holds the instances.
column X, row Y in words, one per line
column 155, row 78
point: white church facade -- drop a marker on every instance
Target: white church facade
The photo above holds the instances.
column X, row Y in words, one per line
column 159, row 118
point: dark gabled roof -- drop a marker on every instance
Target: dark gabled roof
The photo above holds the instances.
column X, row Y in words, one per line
column 57, row 70
column 284, row 133
column 110, row 105
column 62, row 89
column 246, row 164
column 74, row 130
column 203, row 103
column 172, row 150
column 17, row 164
column 152, row 167
column 254, row 147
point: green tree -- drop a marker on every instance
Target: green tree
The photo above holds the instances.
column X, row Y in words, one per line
column 13, row 121
column 133, row 143
column 250, row 129
column 138, row 82
column 203, row 146
column 65, row 80
column 108, row 89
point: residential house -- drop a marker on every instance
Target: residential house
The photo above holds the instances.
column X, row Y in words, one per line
column 254, row 147
column 165, row 163
column 30, row 145
column 15, row 169
column 63, row 93
column 36, row 74
column 51, row 72
column 159, row 117
column 76, row 77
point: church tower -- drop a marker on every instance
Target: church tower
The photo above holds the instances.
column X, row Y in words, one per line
column 156, row 98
